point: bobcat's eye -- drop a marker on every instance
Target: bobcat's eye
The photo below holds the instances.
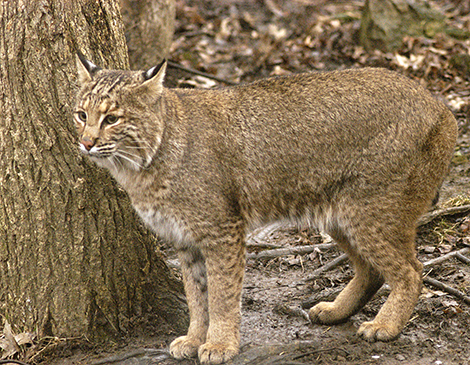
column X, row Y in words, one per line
column 111, row 119
column 82, row 116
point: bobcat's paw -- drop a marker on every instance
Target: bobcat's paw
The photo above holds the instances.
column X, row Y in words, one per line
column 373, row 331
column 184, row 348
column 216, row 353
column 325, row 313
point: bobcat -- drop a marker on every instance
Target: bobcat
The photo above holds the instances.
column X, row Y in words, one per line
column 359, row 153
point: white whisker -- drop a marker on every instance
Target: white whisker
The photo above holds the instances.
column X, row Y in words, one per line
column 130, row 154
column 143, row 142
column 138, row 147
column 124, row 157
column 116, row 162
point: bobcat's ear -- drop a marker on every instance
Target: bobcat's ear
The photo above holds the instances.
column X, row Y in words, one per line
column 85, row 68
column 153, row 78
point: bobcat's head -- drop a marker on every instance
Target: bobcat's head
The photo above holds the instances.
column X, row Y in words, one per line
column 118, row 115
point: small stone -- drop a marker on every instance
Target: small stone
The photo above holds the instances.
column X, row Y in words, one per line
column 400, row 357
column 429, row 249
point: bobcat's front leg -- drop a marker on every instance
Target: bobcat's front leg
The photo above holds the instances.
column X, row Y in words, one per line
column 225, row 264
column 195, row 285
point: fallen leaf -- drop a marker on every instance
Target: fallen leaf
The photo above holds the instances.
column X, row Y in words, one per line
column 8, row 343
column 446, row 248
column 25, row 338
column 450, row 303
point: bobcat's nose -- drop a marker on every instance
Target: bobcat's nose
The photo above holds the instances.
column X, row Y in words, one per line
column 88, row 142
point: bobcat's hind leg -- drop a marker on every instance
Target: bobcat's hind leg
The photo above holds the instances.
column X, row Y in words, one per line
column 404, row 275
column 195, row 285
column 353, row 297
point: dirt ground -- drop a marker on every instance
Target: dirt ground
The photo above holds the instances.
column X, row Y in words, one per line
column 240, row 41
column 273, row 331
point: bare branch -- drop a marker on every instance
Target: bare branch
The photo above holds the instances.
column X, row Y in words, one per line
column 448, row 256
column 429, row 217
column 462, row 258
column 200, row 73
column 329, row 266
column 299, row 250
column 440, row 285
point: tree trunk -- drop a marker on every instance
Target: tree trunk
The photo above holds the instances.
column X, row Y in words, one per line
column 149, row 27
column 74, row 259
column 384, row 23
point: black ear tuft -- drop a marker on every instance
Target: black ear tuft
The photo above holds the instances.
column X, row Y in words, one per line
column 153, row 80
column 151, row 72
column 89, row 66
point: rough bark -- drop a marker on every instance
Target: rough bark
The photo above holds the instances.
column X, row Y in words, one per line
column 149, row 27
column 384, row 23
column 74, row 259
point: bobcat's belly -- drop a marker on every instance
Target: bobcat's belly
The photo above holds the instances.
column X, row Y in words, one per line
column 165, row 225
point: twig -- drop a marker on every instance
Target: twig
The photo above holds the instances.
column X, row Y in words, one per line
column 425, row 219
column 329, row 266
column 299, row 250
column 54, row 341
column 263, row 245
column 200, row 73
column 271, row 254
column 448, row 256
column 309, row 353
column 446, row 288
column 462, row 258
column 436, row 283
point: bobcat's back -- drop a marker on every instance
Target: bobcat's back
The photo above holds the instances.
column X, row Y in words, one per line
column 282, row 145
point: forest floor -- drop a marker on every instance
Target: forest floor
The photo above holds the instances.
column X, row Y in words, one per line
column 239, row 41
